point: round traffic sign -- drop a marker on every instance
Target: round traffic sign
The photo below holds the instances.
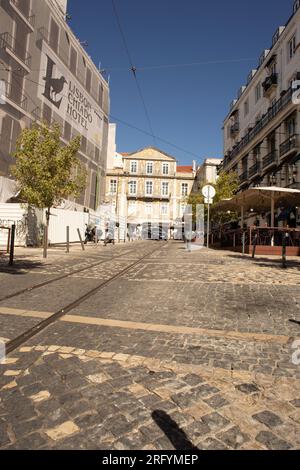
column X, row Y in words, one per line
column 208, row 191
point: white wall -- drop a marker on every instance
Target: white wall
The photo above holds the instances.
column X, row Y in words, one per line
column 10, row 214
column 59, row 221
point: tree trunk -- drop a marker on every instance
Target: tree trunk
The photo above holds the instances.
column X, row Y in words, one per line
column 46, row 233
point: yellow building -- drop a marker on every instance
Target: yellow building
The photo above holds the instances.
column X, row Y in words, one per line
column 149, row 187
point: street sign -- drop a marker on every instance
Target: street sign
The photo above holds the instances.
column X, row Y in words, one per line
column 208, row 191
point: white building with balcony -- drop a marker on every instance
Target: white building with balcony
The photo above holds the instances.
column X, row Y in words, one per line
column 261, row 130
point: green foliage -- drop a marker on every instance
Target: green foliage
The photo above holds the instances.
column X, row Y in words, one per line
column 47, row 171
column 226, row 187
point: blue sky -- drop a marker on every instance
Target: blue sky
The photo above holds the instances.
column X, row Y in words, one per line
column 186, row 105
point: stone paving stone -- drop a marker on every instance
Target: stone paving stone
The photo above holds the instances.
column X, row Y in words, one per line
column 208, row 386
column 216, row 401
column 215, row 421
column 268, row 418
column 272, row 442
column 212, row 444
column 233, row 438
column 247, row 388
column 296, row 403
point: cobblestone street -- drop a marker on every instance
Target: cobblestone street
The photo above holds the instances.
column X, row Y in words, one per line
column 178, row 350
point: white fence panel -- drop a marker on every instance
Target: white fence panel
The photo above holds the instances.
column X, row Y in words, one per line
column 60, row 219
column 10, row 214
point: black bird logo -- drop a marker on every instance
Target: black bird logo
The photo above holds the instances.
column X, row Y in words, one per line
column 56, row 86
column 53, row 86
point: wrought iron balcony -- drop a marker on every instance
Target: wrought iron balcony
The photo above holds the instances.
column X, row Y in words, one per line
column 254, row 169
column 270, row 82
column 288, row 145
column 277, row 107
column 15, row 50
column 26, row 16
column 143, row 195
column 15, row 96
column 270, row 159
column 243, row 177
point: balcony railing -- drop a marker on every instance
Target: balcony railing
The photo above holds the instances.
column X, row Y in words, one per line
column 269, row 82
column 290, row 144
column 7, row 41
column 143, row 195
column 261, row 124
column 243, row 177
column 269, row 159
column 28, row 16
column 254, row 169
column 16, row 96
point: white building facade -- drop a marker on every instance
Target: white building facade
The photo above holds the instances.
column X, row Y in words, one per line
column 262, row 129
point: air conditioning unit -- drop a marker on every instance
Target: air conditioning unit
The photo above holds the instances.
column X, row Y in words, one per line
column 251, row 75
column 233, row 102
column 296, row 5
column 264, row 55
column 241, row 91
column 277, row 34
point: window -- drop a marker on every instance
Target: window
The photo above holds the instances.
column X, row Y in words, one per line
column 54, row 33
column 164, row 188
column 131, row 207
column 149, row 168
column 100, row 95
column 228, row 131
column 273, row 68
column 164, row 208
column 165, row 168
column 73, row 60
column 292, row 47
column 149, row 188
column 133, row 166
column 113, row 186
column 148, row 208
column 257, row 92
column 246, row 107
column 88, row 80
column 184, row 189
column 182, row 207
column 132, row 187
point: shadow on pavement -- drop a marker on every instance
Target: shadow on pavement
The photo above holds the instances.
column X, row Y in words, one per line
column 173, row 432
column 267, row 262
column 19, row 266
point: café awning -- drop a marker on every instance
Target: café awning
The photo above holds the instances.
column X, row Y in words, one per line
column 261, row 199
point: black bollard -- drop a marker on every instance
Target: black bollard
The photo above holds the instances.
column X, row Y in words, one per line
column 12, row 245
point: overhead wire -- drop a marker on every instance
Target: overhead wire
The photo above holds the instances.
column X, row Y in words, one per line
column 133, row 69
column 121, row 121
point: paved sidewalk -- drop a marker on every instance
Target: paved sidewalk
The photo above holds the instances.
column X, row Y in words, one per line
column 185, row 350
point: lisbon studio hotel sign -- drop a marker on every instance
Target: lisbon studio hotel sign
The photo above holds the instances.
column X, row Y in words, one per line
column 62, row 92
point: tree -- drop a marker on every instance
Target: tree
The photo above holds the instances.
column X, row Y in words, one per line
column 47, row 171
column 226, row 187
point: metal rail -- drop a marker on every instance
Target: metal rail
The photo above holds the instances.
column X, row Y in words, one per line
column 21, row 339
column 63, row 276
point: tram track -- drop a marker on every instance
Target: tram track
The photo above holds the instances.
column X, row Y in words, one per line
column 31, row 332
column 64, row 276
